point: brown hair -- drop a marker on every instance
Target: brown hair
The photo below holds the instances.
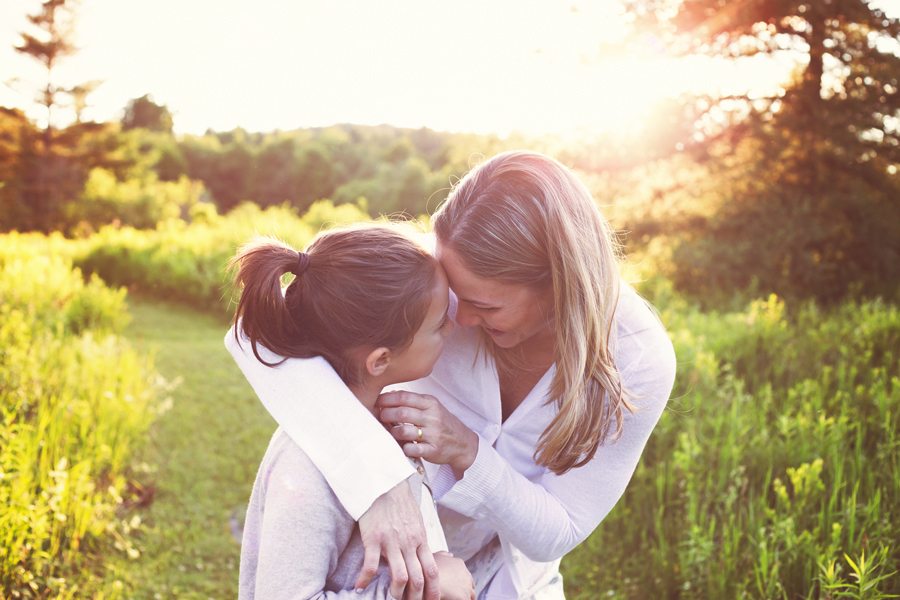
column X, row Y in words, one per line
column 524, row 218
column 356, row 287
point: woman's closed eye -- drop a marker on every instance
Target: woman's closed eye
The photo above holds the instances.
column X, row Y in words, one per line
column 481, row 307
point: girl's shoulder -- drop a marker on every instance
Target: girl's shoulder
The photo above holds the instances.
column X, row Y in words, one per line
column 287, row 470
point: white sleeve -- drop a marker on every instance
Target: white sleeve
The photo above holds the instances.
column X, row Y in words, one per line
column 548, row 517
column 358, row 457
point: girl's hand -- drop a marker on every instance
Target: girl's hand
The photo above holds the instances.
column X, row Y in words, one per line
column 427, row 430
column 392, row 528
column 456, row 581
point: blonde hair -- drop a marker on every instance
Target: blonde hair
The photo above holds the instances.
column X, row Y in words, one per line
column 524, row 218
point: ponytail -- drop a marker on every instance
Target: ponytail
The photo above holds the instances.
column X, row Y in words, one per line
column 359, row 287
column 262, row 310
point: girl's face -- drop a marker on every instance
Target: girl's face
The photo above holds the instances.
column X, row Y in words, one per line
column 417, row 359
column 509, row 313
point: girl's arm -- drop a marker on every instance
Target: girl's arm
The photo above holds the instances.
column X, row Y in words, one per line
column 297, row 532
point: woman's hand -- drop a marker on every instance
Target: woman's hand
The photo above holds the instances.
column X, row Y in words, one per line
column 427, row 430
column 456, row 581
column 393, row 528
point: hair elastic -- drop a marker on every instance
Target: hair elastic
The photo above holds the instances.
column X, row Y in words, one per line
column 302, row 264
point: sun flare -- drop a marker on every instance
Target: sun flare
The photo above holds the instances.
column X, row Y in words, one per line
column 287, row 65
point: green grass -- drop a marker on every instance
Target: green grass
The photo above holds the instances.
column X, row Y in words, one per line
column 756, row 483
column 202, row 455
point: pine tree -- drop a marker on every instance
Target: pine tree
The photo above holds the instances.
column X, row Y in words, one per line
column 49, row 42
column 55, row 174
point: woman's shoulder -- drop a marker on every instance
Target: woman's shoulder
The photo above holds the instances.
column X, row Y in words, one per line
column 644, row 352
column 634, row 314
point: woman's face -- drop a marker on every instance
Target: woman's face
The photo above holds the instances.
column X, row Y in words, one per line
column 509, row 313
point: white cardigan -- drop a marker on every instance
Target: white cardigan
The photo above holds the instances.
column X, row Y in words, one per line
column 537, row 515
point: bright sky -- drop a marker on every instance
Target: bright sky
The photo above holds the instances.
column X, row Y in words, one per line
column 469, row 65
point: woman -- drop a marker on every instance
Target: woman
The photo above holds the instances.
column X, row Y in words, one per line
column 538, row 411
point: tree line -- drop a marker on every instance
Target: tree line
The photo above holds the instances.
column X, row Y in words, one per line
column 794, row 193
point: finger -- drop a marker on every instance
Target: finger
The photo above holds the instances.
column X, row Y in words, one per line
column 430, row 571
column 370, row 565
column 407, row 432
column 397, row 567
column 401, row 398
column 402, row 414
column 426, row 451
column 415, row 585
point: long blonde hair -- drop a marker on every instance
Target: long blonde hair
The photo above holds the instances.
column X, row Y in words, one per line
column 524, row 218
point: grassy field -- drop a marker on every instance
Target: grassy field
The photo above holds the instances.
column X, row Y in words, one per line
column 769, row 494
column 204, row 452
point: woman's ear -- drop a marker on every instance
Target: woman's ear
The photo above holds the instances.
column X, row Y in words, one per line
column 378, row 361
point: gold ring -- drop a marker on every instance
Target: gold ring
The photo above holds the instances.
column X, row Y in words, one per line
column 419, row 433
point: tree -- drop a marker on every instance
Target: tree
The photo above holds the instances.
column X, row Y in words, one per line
column 49, row 43
column 848, row 62
column 808, row 175
column 144, row 113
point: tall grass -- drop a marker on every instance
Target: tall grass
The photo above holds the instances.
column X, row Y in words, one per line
column 74, row 401
column 775, row 471
column 186, row 263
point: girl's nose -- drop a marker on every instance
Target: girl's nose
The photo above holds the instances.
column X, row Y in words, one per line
column 466, row 317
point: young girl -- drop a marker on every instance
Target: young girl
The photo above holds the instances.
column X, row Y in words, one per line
column 373, row 305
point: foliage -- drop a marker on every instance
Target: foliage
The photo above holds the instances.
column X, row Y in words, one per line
column 759, row 480
column 144, row 113
column 37, row 188
column 798, row 205
column 74, row 399
column 137, row 202
column 767, row 231
column 186, row 262
column 395, row 170
column 49, row 41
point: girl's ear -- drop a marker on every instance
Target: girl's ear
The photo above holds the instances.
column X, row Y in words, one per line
column 378, row 361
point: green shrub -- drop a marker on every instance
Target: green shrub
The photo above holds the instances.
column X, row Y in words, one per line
column 774, row 468
column 141, row 202
column 75, row 400
column 186, row 262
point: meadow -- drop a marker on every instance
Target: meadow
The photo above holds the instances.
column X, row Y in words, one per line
column 128, row 449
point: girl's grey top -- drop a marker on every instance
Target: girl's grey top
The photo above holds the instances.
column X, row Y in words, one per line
column 298, row 541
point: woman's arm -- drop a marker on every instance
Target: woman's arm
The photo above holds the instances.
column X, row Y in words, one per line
column 549, row 516
column 327, row 432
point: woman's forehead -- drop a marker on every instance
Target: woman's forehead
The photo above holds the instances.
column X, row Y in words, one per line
column 473, row 288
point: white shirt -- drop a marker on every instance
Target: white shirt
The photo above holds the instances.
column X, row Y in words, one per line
column 537, row 515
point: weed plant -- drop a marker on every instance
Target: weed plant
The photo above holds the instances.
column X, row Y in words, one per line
column 775, row 470
column 75, row 401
